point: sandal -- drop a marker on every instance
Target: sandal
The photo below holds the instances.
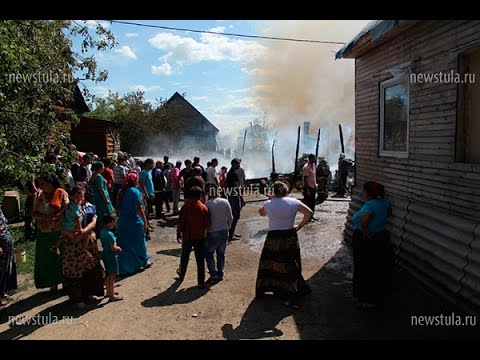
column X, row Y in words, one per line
column 148, row 265
column 106, row 296
column 115, row 298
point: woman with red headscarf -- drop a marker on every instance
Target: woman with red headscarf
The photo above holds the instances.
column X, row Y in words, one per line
column 372, row 253
column 132, row 226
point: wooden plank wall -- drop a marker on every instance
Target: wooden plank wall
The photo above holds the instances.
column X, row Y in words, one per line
column 90, row 135
column 435, row 226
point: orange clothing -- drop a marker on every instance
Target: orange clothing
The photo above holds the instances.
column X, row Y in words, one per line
column 194, row 220
column 57, row 199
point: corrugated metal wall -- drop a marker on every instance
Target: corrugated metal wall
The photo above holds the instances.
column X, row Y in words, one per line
column 436, row 201
column 440, row 249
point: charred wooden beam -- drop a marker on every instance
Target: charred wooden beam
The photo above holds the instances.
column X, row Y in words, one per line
column 316, row 147
column 273, row 157
column 296, row 151
column 341, row 138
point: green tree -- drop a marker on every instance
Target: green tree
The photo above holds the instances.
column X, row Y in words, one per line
column 143, row 126
column 38, row 70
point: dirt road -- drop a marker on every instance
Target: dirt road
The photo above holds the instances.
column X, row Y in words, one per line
column 158, row 307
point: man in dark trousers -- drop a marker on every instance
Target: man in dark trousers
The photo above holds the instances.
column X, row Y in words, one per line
column 234, row 197
column 192, row 226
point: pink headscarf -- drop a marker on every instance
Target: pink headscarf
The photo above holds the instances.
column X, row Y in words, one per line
column 131, row 179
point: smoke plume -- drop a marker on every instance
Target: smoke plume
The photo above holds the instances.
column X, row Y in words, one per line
column 297, row 82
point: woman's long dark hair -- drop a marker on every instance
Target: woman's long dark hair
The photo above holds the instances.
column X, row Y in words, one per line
column 374, row 190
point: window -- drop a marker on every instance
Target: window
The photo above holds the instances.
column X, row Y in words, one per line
column 394, row 118
column 468, row 115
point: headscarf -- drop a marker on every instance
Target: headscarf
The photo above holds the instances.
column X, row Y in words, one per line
column 130, row 179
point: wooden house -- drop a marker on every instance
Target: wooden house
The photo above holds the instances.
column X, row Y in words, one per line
column 417, row 121
column 198, row 132
column 102, row 137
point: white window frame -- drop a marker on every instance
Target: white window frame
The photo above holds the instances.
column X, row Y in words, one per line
column 383, row 85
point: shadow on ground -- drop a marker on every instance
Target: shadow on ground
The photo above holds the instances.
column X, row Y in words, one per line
column 171, row 296
column 329, row 313
column 168, row 222
column 29, row 303
column 177, row 252
column 260, row 320
column 62, row 313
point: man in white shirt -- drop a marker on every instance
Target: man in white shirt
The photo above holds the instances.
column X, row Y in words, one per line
column 241, row 174
column 212, row 178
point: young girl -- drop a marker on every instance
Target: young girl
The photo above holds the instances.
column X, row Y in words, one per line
column 110, row 256
column 72, row 217
column 77, row 260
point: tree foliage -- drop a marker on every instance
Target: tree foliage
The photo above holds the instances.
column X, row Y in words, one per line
column 143, row 125
column 39, row 66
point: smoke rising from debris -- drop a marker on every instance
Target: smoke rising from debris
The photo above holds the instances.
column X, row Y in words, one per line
column 293, row 83
column 305, row 80
column 297, row 82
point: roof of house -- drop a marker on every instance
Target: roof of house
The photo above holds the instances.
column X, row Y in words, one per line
column 79, row 104
column 108, row 121
column 180, row 99
column 373, row 34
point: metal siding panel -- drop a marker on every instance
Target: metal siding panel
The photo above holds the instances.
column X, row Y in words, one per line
column 438, row 248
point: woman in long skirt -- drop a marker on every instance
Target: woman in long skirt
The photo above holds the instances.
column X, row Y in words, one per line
column 132, row 227
column 373, row 259
column 280, row 268
column 48, row 206
column 8, row 267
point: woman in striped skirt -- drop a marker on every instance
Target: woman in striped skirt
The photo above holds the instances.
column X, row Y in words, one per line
column 280, row 268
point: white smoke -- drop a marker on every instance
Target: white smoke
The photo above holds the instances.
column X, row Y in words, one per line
column 292, row 83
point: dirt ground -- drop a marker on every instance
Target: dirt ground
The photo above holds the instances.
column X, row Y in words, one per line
column 155, row 306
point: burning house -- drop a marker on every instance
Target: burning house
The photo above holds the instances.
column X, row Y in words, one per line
column 416, row 131
column 254, row 139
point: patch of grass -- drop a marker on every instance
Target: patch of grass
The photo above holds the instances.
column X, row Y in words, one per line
column 21, row 287
column 28, row 266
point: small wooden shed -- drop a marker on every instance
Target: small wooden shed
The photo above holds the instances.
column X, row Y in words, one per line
column 102, row 137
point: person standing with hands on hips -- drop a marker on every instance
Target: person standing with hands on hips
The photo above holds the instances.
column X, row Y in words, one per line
column 280, row 268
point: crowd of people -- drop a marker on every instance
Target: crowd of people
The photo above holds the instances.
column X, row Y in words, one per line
column 111, row 201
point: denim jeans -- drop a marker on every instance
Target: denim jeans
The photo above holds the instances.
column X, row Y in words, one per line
column 216, row 242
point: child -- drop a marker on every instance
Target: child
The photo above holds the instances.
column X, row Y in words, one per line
column 110, row 256
column 72, row 219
